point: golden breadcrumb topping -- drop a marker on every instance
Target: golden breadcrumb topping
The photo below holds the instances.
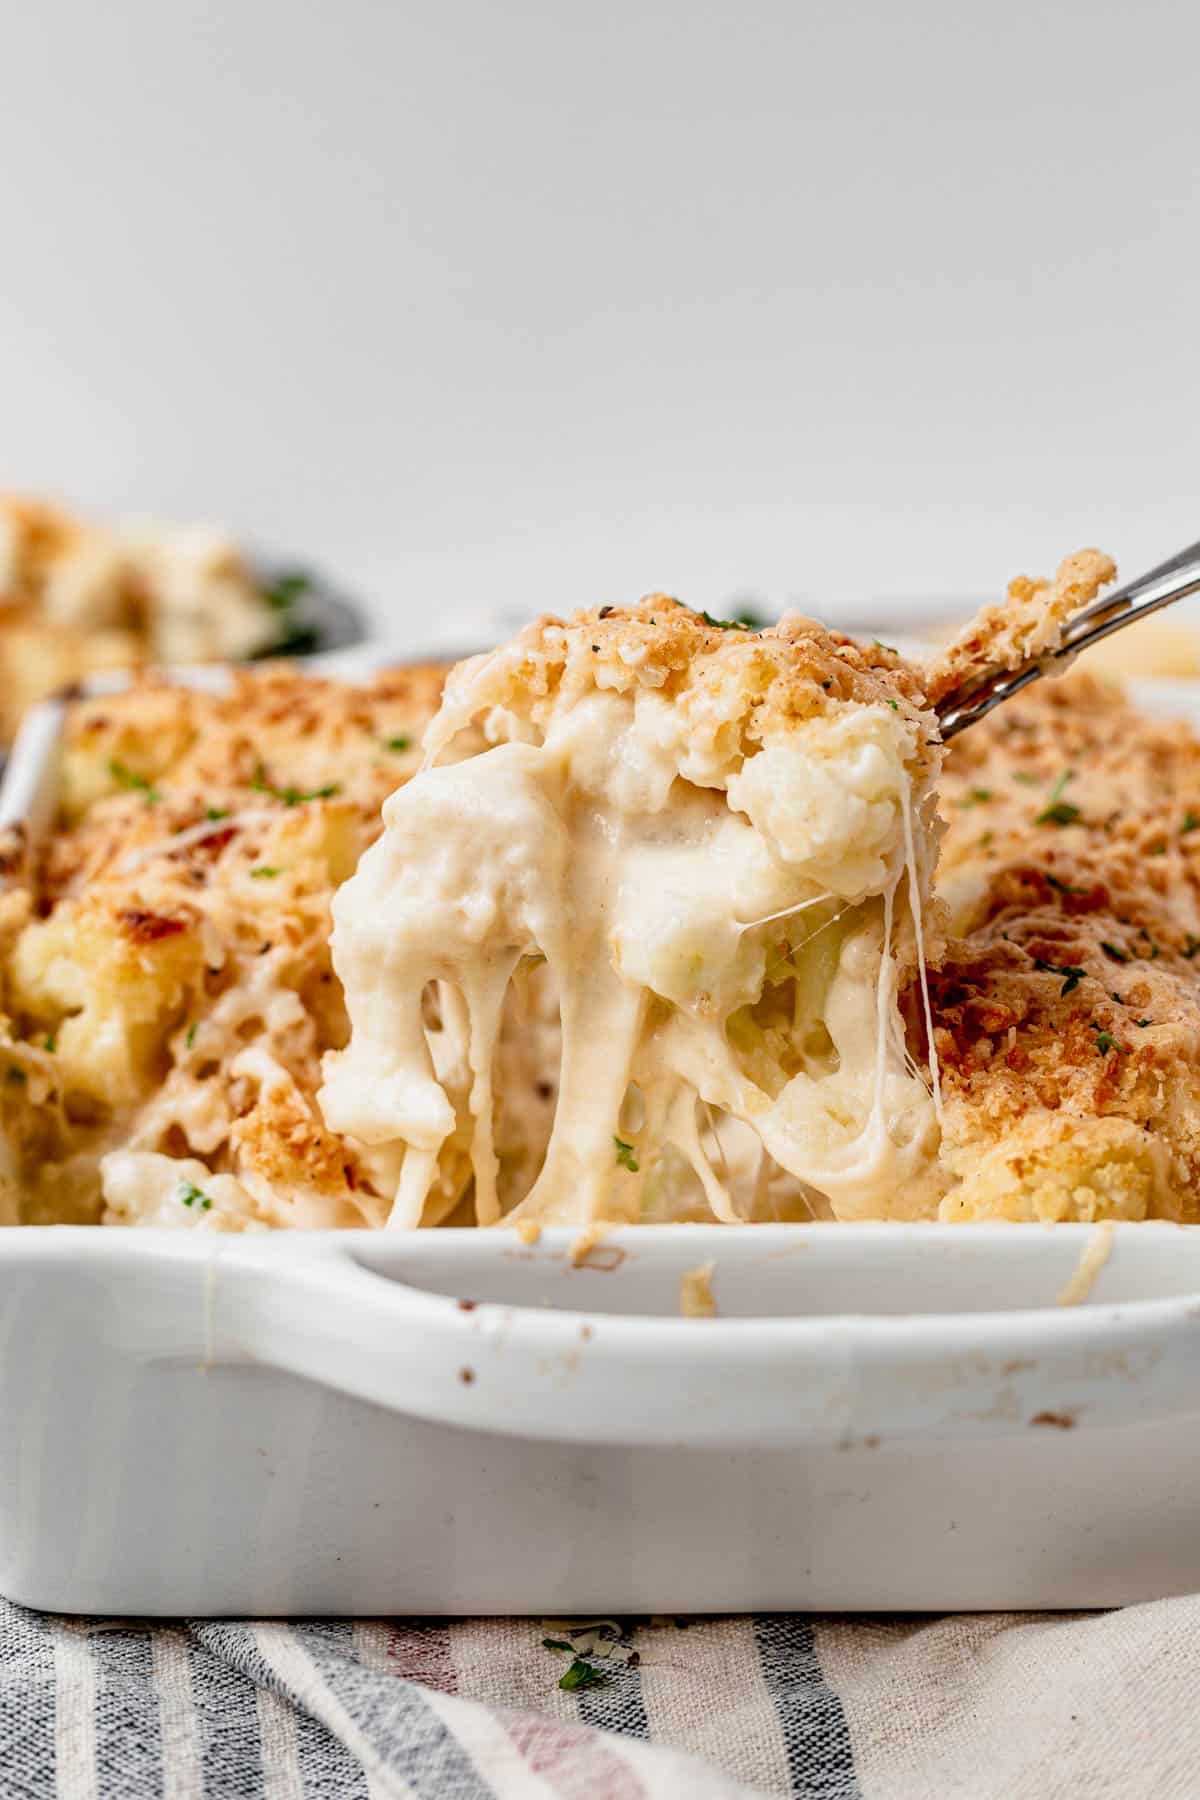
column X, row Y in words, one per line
column 1067, row 1005
column 733, row 686
column 166, row 972
column 1027, row 623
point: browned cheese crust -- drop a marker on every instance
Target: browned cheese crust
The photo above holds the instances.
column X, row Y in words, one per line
column 165, row 963
column 1067, row 1007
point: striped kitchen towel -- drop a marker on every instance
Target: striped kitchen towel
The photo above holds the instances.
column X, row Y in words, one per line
column 993, row 1707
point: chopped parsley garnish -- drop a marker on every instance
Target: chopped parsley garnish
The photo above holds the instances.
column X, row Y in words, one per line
column 51, row 1043
column 1157, row 850
column 1143, row 933
column 625, row 1156
column 216, row 812
column 1058, row 811
column 1116, row 952
column 977, row 797
column 1105, row 1041
column 582, row 1675
column 1062, row 887
column 129, row 778
column 986, row 839
column 895, row 705
column 1073, row 976
column 1190, row 823
column 738, row 624
column 263, row 873
column 190, row 1039
column 748, row 617
column 1143, row 1023
column 191, row 1195
column 292, row 796
column 286, row 589
column 890, row 648
column 399, row 743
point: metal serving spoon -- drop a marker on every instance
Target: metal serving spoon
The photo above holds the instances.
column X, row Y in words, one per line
column 1170, row 581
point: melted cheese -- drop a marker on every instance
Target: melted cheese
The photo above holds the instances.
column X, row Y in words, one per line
column 722, row 940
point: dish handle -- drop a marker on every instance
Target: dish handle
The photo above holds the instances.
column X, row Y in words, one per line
column 319, row 1312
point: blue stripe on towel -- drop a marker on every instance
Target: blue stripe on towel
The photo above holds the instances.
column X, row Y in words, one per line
column 618, row 1705
column 395, row 1718
column 27, row 1704
column 820, row 1760
column 128, row 1735
column 226, row 1722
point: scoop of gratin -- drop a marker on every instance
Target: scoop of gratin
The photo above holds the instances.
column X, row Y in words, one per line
column 715, row 847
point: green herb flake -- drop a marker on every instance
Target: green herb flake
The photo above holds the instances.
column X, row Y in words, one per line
column 51, row 1043
column 1073, row 976
column 582, row 1675
column 190, row 1039
column 1143, row 1023
column 1119, row 955
column 263, row 873
column 191, row 1195
column 1191, row 822
column 1058, row 811
column 1157, row 850
column 890, row 648
column 977, row 796
column 722, row 624
column 1105, row 1041
column 895, row 705
column 625, row 1156
column 286, row 589
column 129, row 778
column 986, row 839
column 292, row 796
column 558, row 1644
column 216, row 812
column 398, row 743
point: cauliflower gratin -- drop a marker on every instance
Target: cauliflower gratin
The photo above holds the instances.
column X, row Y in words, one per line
column 670, row 920
column 165, row 956
column 77, row 598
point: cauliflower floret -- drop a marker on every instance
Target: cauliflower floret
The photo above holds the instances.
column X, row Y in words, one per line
column 668, row 811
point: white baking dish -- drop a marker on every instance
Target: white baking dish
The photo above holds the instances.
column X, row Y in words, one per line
column 881, row 1417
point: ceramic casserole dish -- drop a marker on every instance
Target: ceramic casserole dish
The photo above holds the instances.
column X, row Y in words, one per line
column 879, row 1417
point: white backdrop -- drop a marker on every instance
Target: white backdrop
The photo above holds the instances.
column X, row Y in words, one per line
column 511, row 307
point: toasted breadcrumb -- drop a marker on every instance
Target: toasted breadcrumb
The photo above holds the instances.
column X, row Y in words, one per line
column 732, row 685
column 1026, row 624
column 165, row 957
column 1067, row 1004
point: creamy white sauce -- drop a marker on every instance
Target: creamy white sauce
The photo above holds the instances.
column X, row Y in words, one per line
column 665, row 889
